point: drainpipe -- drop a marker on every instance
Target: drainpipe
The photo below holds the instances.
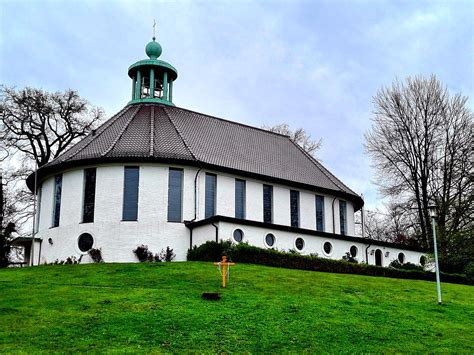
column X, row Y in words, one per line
column 333, row 218
column 217, row 232
column 195, row 209
column 39, row 255
column 195, row 194
column 367, row 253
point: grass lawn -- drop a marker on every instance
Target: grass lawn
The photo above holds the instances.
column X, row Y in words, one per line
column 158, row 307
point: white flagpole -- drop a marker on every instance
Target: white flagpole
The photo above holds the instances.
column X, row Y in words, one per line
column 32, row 256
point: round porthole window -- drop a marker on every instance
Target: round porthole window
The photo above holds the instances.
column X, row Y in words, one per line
column 238, row 235
column 354, row 251
column 401, row 258
column 270, row 239
column 423, row 260
column 85, row 242
column 327, row 248
column 299, row 243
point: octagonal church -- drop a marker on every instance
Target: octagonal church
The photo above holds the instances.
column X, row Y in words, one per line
column 161, row 175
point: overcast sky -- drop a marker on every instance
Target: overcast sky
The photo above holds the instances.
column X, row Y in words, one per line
column 312, row 64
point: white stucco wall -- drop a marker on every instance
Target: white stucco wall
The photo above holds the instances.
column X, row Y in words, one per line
column 313, row 244
column 118, row 238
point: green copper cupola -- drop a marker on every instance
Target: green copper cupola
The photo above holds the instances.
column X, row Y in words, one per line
column 152, row 79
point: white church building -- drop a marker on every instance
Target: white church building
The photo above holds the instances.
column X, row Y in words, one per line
column 160, row 175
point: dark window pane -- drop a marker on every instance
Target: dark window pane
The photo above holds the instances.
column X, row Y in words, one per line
column 353, row 251
column 320, row 213
column 327, row 248
column 295, row 208
column 401, row 258
column 130, row 193
column 299, row 243
column 58, row 182
column 270, row 239
column 175, row 195
column 267, row 203
column 343, row 217
column 238, row 235
column 239, row 198
column 210, row 208
column 89, row 195
column 85, row 242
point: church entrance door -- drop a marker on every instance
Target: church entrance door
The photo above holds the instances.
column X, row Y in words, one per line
column 378, row 257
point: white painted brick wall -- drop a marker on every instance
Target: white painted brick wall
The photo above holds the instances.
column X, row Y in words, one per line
column 117, row 238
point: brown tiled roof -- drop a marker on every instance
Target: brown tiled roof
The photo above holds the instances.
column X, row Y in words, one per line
column 155, row 132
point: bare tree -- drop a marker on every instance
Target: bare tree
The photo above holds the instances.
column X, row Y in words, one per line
column 36, row 126
column 421, row 146
column 299, row 136
column 42, row 125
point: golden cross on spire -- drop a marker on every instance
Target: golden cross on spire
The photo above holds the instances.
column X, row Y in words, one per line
column 154, row 25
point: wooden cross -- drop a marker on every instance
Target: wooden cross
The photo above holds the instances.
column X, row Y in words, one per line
column 224, row 266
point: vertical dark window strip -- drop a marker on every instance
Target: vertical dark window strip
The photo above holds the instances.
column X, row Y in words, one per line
column 130, row 193
column 295, row 208
column 240, row 198
column 89, row 195
column 175, row 195
column 320, row 213
column 58, row 182
column 267, row 203
column 343, row 217
column 210, row 208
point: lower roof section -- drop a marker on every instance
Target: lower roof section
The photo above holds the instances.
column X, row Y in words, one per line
column 24, row 241
column 303, row 231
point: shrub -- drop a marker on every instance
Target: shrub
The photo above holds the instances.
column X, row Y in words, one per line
column 469, row 271
column 349, row 258
column 166, row 255
column 210, row 251
column 143, row 254
column 405, row 266
column 96, row 255
column 69, row 260
column 244, row 253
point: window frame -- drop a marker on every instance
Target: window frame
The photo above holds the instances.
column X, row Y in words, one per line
column 343, row 217
column 295, row 219
column 323, row 224
column 181, row 188
column 79, row 237
column 56, row 215
column 243, row 214
column 332, row 248
column 84, row 190
column 296, row 245
column 136, row 204
column 356, row 249
column 233, row 235
column 208, row 214
column 266, row 187
column 265, row 240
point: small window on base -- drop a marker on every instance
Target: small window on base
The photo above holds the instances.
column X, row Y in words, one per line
column 299, row 243
column 238, row 235
column 270, row 239
column 85, row 242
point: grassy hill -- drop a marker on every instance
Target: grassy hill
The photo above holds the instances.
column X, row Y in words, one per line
column 158, row 307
